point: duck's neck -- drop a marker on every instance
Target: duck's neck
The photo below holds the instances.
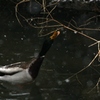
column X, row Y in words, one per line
column 45, row 47
column 35, row 67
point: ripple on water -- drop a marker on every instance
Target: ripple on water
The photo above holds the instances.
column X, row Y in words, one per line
column 90, row 83
column 1, row 42
column 36, row 54
column 59, row 99
column 37, row 83
column 67, row 80
column 59, row 82
column 18, row 94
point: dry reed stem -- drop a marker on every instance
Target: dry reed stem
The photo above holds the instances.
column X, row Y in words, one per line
column 75, row 31
column 82, row 29
column 79, row 80
column 16, row 10
column 98, row 42
column 97, row 55
column 86, row 29
column 49, row 32
column 83, row 25
column 51, row 11
column 84, row 67
column 52, row 19
column 53, row 4
column 47, row 21
column 92, row 18
column 44, row 5
column 97, row 85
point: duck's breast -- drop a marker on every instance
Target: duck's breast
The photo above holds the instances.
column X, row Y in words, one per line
column 18, row 78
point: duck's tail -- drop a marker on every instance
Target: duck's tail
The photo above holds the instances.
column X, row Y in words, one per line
column 47, row 43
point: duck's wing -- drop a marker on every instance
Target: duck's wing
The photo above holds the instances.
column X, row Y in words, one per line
column 12, row 68
column 15, row 67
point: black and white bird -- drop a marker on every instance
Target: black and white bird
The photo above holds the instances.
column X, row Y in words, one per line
column 25, row 72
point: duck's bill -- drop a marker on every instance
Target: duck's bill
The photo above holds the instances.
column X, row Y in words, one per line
column 55, row 34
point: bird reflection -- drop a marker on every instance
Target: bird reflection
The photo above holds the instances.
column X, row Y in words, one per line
column 30, row 90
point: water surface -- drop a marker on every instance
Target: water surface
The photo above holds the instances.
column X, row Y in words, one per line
column 69, row 54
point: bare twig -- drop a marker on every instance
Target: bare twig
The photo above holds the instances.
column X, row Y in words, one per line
column 40, row 35
column 84, row 67
column 92, row 18
column 98, row 42
column 75, row 31
column 79, row 80
column 96, row 86
column 51, row 11
column 44, row 5
column 16, row 9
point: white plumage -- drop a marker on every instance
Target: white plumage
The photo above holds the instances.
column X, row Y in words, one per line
column 14, row 74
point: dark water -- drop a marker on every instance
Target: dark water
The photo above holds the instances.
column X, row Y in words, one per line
column 69, row 54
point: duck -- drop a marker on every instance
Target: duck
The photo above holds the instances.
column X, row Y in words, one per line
column 25, row 72
column 33, row 7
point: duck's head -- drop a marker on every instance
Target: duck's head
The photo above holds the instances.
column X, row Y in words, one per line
column 47, row 43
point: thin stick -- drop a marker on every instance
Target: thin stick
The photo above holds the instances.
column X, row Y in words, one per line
column 97, row 85
column 51, row 10
column 92, row 18
column 46, row 21
column 78, row 80
column 16, row 10
column 44, row 5
column 76, row 31
column 93, row 44
column 88, row 29
column 51, row 32
column 53, row 4
column 84, row 67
